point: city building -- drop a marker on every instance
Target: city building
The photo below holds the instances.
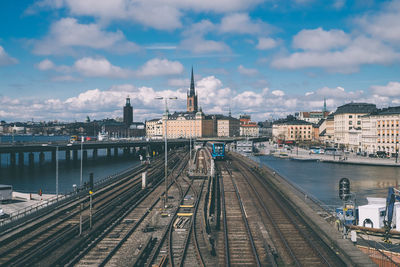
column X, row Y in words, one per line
column 347, row 118
column 128, row 112
column 292, row 131
column 368, row 135
column 192, row 123
column 188, row 124
column 247, row 127
column 244, row 146
column 154, row 129
column 381, row 131
column 327, row 130
column 227, row 126
column 313, row 116
column 265, row 129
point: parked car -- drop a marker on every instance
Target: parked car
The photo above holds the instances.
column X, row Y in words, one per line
column 381, row 154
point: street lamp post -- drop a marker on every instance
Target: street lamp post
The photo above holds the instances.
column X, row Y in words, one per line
column 81, row 180
column 57, row 172
column 81, row 206
column 166, row 148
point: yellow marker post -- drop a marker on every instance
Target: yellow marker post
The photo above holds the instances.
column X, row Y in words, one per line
column 90, row 218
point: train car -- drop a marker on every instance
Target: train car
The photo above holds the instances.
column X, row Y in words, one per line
column 217, row 149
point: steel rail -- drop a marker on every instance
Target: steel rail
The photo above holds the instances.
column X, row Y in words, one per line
column 253, row 246
column 155, row 252
column 60, row 231
column 227, row 254
column 267, row 188
column 120, row 218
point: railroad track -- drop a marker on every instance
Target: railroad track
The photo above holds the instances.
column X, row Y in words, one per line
column 297, row 244
column 107, row 244
column 39, row 240
column 239, row 245
column 180, row 238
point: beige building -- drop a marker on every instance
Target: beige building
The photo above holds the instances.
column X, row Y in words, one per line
column 188, row 124
column 154, row 129
column 293, row 131
column 249, row 130
column 247, row 127
column 347, row 118
column 384, row 130
column 227, row 126
column 327, row 130
column 368, row 134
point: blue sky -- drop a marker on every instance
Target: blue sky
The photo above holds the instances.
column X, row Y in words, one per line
column 66, row 59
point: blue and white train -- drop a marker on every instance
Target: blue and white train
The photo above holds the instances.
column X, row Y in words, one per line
column 217, row 149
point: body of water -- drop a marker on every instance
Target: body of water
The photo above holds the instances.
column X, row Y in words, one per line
column 321, row 180
column 30, row 180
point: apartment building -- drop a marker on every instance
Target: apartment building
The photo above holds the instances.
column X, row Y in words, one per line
column 347, row 120
column 295, row 130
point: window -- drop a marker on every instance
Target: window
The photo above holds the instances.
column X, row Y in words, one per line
column 358, row 122
column 350, row 116
column 350, row 122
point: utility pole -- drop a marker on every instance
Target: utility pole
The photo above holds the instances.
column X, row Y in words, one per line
column 166, row 147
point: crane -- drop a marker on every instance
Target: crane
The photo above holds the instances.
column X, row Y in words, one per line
column 393, row 195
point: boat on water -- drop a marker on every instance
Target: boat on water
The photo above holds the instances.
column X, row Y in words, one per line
column 102, row 136
column 282, row 155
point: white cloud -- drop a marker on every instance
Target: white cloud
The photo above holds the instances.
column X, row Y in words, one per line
column 67, row 34
column 360, row 51
column 320, row 40
column 266, row 43
column 100, row 67
column 156, row 66
column 213, row 97
column 338, row 4
column 383, row 24
column 45, row 64
column 278, row 93
column 5, row 59
column 247, row 71
column 242, row 23
column 392, row 89
column 195, row 41
column 158, row 14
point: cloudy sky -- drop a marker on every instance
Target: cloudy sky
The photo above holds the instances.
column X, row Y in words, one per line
column 66, row 59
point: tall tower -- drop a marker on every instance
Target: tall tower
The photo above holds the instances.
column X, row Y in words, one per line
column 128, row 112
column 324, row 110
column 192, row 97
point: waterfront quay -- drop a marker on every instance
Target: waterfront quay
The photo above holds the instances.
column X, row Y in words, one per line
column 298, row 153
column 228, row 212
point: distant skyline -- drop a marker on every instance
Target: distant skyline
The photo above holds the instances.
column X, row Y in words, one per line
column 68, row 59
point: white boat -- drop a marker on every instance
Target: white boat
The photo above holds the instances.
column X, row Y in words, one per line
column 102, row 136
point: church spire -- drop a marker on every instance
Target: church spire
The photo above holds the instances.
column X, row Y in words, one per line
column 192, row 97
column 192, row 91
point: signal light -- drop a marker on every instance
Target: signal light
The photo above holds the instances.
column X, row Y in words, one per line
column 344, row 189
